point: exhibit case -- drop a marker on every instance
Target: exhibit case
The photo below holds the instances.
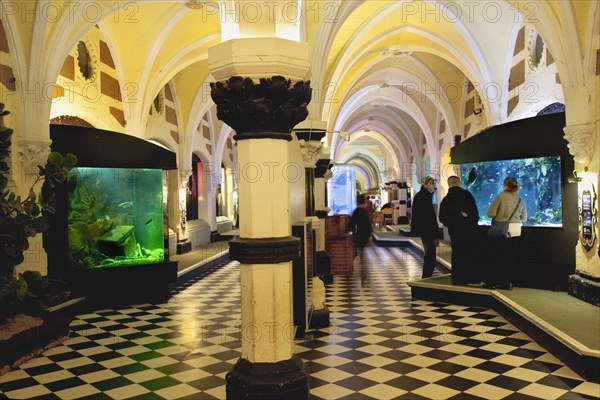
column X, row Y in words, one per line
column 115, row 217
column 109, row 237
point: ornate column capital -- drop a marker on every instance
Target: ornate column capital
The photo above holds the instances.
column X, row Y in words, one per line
column 268, row 109
column 311, row 151
column 184, row 175
column 33, row 153
column 581, row 140
column 309, row 134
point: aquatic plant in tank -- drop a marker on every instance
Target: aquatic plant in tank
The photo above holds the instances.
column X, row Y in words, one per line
column 115, row 217
column 540, row 186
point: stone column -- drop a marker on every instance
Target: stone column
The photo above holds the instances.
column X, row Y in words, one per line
column 263, row 112
column 309, row 135
column 322, row 174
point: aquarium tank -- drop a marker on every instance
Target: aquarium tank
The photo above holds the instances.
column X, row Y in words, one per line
column 540, row 187
column 341, row 190
column 115, row 217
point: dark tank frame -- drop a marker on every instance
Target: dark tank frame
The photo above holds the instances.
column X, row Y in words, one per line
column 547, row 254
column 128, row 284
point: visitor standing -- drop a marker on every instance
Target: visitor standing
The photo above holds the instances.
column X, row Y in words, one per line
column 458, row 212
column 424, row 223
column 506, row 206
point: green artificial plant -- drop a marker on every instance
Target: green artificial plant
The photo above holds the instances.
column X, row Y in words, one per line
column 21, row 219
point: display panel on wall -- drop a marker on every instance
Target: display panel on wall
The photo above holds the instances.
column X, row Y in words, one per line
column 115, row 217
column 341, row 190
column 540, row 187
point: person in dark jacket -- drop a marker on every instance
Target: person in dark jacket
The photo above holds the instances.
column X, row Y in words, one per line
column 424, row 223
column 458, row 211
column 360, row 224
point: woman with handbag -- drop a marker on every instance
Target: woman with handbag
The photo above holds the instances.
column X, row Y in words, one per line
column 507, row 212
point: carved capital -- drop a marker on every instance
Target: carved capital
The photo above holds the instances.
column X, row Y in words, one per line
column 184, row 176
column 389, row 174
column 33, row 153
column 581, row 140
column 311, row 151
column 272, row 106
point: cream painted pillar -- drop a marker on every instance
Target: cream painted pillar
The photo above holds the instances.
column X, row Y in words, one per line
column 310, row 133
column 268, row 367
column 585, row 148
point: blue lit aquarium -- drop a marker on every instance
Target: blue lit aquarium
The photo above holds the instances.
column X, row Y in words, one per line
column 341, row 191
column 115, row 217
column 540, row 186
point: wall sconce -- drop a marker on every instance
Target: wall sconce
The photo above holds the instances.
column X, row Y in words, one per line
column 574, row 178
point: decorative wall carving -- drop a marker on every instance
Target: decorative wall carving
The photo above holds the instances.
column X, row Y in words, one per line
column 71, row 120
column 184, row 176
column 581, row 140
column 91, row 58
column 269, row 109
column 33, row 153
column 311, row 151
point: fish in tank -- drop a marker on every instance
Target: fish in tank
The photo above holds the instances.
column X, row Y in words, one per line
column 115, row 217
column 540, row 187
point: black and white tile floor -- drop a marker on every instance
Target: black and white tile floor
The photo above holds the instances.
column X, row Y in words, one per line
column 381, row 345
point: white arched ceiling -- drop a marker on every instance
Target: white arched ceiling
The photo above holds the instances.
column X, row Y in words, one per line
column 168, row 22
column 221, row 141
column 386, row 123
column 389, row 96
column 378, row 131
column 182, row 59
column 419, row 74
column 368, row 162
column 19, row 64
column 479, row 71
column 324, row 38
column 200, row 106
column 362, row 164
column 360, row 170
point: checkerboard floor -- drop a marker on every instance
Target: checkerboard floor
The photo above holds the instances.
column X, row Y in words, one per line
column 380, row 345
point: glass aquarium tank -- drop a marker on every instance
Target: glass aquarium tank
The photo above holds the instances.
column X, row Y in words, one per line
column 115, row 217
column 341, row 191
column 540, row 187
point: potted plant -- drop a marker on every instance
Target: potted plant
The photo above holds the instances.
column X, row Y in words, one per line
column 24, row 327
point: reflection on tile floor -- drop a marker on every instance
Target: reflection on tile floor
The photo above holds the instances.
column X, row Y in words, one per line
column 381, row 345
